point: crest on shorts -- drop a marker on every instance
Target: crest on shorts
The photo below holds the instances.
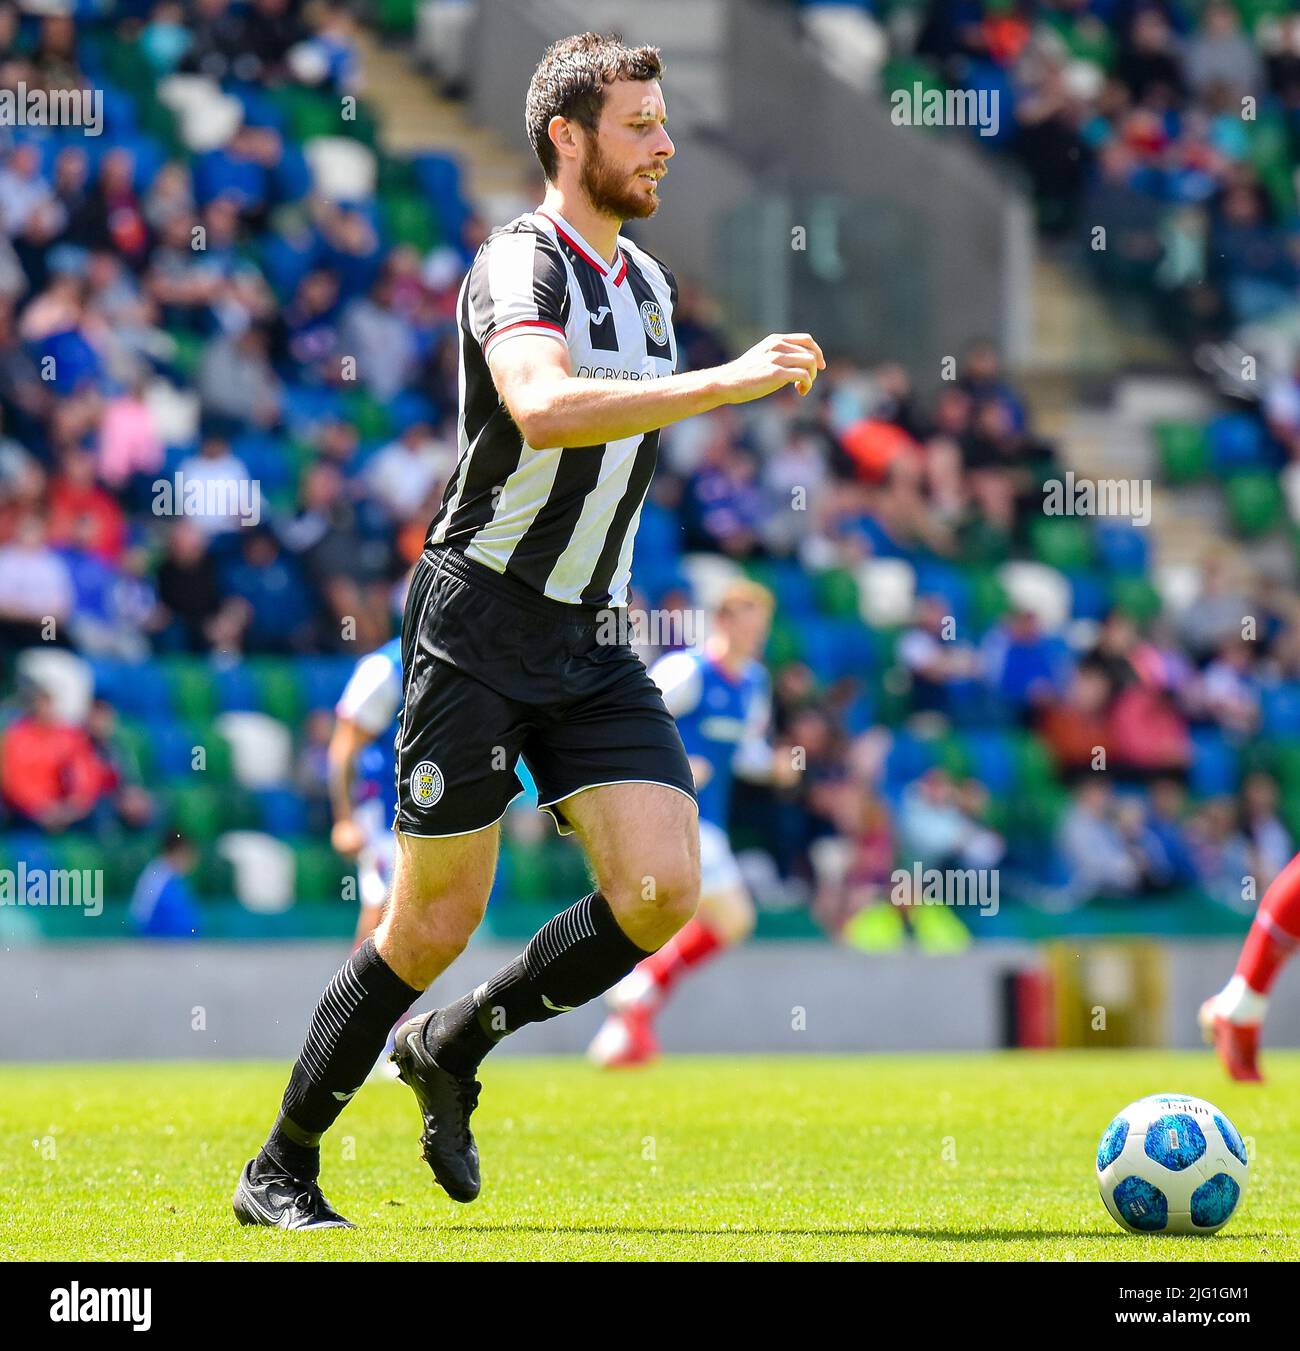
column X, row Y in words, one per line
column 426, row 783
column 652, row 318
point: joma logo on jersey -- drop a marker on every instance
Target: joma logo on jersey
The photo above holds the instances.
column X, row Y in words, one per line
column 652, row 317
column 426, row 783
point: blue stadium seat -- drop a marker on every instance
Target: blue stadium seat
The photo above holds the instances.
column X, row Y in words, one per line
column 1280, row 710
column 909, row 757
column 1090, row 596
column 835, row 648
column 1122, row 546
column 1216, row 766
column 237, row 690
column 282, row 812
column 1237, row 442
column 992, row 760
column 323, row 679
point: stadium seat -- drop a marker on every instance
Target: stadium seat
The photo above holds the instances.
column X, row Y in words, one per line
column 1237, row 444
column 1041, row 590
column 838, row 596
column 1280, row 711
column 1062, row 542
column 887, row 587
column 1122, row 546
column 261, row 748
column 1215, row 768
column 1137, row 597
column 190, row 688
column 1183, row 451
column 320, row 872
column 66, row 677
column 1255, row 503
column 709, row 575
column 264, row 869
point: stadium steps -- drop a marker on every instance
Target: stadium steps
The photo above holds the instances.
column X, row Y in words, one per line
column 1077, row 331
column 414, row 117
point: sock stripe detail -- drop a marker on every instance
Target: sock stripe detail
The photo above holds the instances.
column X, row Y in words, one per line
column 337, row 1004
column 558, row 935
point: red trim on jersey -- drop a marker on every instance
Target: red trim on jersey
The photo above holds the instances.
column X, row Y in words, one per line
column 602, row 268
column 522, row 323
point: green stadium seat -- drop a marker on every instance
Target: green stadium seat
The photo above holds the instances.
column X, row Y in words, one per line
column 396, row 18
column 219, row 764
column 370, row 417
column 197, row 810
column 1062, row 542
column 784, row 644
column 134, row 745
column 1183, row 450
column 837, row 594
column 1136, row 596
column 1255, row 503
column 988, row 598
column 409, row 219
column 278, row 691
column 214, row 877
column 320, row 873
column 191, row 688
column 1035, row 771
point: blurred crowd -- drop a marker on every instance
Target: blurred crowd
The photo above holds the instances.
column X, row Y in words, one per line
column 1173, row 126
column 227, row 414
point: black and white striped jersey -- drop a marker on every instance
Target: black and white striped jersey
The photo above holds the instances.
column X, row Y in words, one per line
column 562, row 520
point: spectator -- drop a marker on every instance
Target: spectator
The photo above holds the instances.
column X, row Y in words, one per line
column 50, row 775
column 163, row 904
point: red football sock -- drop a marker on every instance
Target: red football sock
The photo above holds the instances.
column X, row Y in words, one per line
column 692, row 944
column 1274, row 933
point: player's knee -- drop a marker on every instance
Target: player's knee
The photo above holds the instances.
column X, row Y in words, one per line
column 670, row 887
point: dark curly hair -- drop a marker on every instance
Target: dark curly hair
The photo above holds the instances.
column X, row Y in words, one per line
column 570, row 81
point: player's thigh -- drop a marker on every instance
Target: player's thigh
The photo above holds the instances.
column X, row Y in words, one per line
column 439, row 896
column 642, row 841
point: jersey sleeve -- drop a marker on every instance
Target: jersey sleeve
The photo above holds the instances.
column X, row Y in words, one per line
column 372, row 695
column 517, row 286
column 680, row 682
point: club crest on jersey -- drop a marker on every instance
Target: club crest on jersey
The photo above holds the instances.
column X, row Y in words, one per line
column 426, row 783
column 652, row 318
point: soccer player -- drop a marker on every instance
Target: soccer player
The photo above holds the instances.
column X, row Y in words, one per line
column 567, row 359
column 720, row 695
column 362, row 778
column 1231, row 1020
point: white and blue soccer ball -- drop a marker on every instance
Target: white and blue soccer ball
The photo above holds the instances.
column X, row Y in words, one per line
column 1171, row 1164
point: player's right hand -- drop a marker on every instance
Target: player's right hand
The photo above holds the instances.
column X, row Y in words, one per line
column 780, row 359
column 346, row 837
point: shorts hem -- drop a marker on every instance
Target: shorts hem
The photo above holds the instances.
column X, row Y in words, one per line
column 451, row 834
column 547, row 807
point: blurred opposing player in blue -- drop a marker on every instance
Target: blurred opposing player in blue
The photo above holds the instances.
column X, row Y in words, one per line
column 362, row 777
column 720, row 695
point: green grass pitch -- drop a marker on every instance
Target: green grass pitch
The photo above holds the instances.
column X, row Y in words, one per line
column 899, row 1157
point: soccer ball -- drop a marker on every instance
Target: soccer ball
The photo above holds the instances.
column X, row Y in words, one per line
column 1171, row 1164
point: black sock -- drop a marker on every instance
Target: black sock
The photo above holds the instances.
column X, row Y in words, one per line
column 347, row 1033
column 571, row 959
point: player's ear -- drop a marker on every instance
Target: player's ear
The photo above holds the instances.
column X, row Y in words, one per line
column 563, row 135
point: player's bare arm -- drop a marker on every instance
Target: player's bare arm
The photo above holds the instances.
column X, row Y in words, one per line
column 346, row 743
column 552, row 407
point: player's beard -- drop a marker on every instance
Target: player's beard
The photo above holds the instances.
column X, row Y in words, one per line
column 610, row 192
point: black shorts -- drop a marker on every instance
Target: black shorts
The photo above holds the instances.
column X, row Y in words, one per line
column 492, row 670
